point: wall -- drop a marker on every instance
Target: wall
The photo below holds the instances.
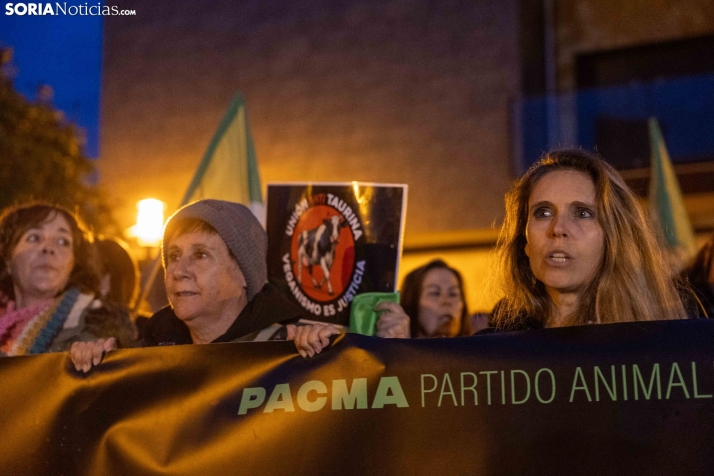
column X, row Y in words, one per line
column 404, row 92
column 594, row 25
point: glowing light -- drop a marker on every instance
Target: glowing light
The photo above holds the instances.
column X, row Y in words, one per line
column 149, row 227
column 355, row 187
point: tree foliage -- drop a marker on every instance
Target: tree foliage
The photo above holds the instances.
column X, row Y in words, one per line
column 42, row 157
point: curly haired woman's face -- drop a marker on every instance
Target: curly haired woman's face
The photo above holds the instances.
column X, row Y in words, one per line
column 565, row 242
column 42, row 260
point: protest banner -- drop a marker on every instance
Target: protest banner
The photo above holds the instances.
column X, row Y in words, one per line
column 329, row 242
column 617, row 399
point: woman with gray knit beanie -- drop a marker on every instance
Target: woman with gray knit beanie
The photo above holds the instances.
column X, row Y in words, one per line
column 214, row 257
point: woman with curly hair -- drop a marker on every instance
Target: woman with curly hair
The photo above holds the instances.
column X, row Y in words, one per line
column 48, row 284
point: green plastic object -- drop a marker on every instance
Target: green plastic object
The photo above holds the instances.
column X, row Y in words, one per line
column 363, row 317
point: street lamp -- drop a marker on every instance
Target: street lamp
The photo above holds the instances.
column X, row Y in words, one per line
column 149, row 227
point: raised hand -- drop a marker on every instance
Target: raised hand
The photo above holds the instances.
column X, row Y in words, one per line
column 393, row 321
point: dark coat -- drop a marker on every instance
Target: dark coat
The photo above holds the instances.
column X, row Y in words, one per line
column 522, row 323
column 694, row 305
column 268, row 309
column 699, row 300
column 97, row 320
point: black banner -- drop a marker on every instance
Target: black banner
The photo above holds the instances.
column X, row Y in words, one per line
column 620, row 399
column 330, row 242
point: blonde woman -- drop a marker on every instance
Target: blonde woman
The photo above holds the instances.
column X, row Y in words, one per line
column 576, row 248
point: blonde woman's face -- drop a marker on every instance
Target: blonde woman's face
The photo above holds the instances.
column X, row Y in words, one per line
column 564, row 240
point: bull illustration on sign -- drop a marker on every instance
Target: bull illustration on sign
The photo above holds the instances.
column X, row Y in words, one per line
column 317, row 246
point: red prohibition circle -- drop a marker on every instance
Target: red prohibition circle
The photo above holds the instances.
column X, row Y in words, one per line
column 314, row 225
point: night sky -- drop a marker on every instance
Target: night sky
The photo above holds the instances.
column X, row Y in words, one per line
column 64, row 52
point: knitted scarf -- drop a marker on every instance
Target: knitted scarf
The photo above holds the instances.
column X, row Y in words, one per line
column 31, row 330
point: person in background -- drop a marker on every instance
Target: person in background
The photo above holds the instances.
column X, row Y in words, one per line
column 576, row 248
column 119, row 279
column 119, row 273
column 49, row 284
column 215, row 271
column 433, row 298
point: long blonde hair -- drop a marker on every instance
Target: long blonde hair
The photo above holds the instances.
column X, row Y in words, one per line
column 633, row 282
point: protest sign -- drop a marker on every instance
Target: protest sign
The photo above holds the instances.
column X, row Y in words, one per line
column 329, row 242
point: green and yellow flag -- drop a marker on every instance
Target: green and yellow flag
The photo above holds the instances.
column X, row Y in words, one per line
column 665, row 198
column 228, row 169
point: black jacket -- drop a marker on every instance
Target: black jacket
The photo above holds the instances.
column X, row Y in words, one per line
column 523, row 322
column 267, row 308
column 699, row 300
column 694, row 301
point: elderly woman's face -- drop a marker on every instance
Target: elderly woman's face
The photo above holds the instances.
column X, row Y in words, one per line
column 565, row 242
column 202, row 280
column 440, row 304
column 42, row 260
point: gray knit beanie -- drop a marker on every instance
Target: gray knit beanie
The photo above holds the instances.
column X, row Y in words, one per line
column 240, row 231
